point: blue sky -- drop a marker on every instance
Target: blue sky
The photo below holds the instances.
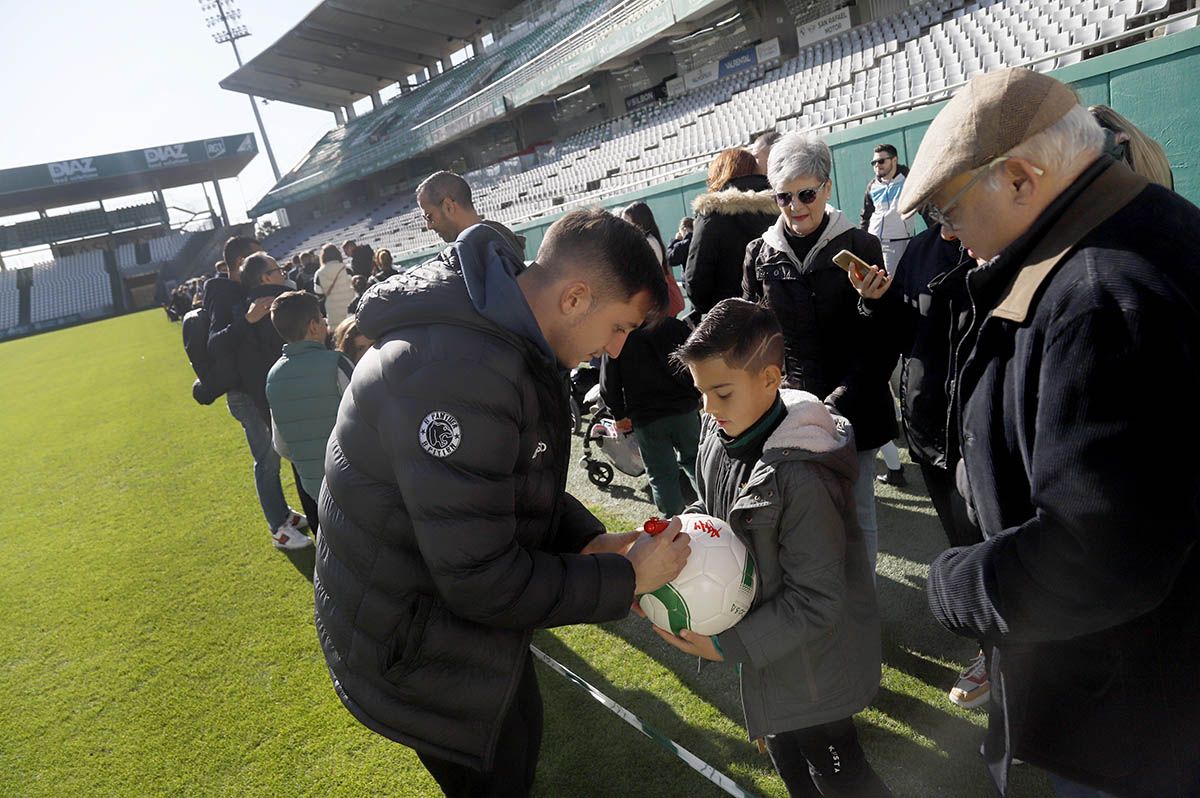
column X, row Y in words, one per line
column 84, row 79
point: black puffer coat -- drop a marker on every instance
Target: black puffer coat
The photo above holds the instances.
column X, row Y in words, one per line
column 923, row 315
column 251, row 348
column 832, row 350
column 446, row 534
column 726, row 221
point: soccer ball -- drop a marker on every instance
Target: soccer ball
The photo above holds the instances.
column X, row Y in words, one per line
column 716, row 587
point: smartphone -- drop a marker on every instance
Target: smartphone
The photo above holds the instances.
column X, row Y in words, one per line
column 848, row 260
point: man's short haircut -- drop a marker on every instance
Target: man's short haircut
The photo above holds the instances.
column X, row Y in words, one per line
column 611, row 250
column 330, row 252
column 745, row 335
column 221, row 266
column 440, row 185
column 292, row 312
column 888, row 148
column 237, row 248
column 349, row 242
column 765, row 141
column 254, row 267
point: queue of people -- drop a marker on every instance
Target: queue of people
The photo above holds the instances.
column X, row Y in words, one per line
column 1055, row 275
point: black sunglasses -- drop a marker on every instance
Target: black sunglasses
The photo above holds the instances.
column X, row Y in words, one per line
column 879, row 161
column 808, row 196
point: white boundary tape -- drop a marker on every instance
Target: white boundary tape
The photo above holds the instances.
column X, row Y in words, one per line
column 694, row 762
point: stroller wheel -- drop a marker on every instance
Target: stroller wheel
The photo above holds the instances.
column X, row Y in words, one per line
column 600, row 474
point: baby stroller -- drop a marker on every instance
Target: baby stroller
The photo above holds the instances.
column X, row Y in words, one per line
column 585, row 392
column 620, row 449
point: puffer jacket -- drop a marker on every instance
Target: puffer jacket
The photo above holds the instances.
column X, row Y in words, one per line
column 446, row 533
column 832, row 350
column 810, row 645
column 725, row 222
column 881, row 208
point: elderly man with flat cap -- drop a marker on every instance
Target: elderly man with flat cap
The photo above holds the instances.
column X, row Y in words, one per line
column 1074, row 383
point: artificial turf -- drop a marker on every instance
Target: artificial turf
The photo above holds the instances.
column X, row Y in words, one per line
column 153, row 642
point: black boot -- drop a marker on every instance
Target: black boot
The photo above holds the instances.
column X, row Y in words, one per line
column 894, row 477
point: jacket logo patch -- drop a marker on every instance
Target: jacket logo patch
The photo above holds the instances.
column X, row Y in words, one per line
column 440, row 434
column 541, row 447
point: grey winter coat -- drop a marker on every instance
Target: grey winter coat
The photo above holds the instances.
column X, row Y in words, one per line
column 446, row 533
column 810, row 645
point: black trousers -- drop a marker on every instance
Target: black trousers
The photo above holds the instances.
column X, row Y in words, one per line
column 516, row 756
column 824, row 761
column 308, row 503
column 950, row 506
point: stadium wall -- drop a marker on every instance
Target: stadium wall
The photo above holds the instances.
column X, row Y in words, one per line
column 1146, row 82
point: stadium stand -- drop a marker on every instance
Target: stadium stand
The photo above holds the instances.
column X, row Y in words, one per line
column 913, row 57
column 158, row 251
column 70, row 286
column 9, row 300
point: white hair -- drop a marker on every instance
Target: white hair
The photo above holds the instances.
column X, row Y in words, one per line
column 797, row 155
column 1076, row 136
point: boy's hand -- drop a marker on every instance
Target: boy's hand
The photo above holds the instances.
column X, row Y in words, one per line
column 691, row 643
column 611, row 544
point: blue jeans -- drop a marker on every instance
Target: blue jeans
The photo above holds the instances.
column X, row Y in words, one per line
column 864, row 504
column 660, row 441
column 266, row 459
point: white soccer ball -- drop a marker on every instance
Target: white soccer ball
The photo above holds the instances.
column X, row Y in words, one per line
column 716, row 587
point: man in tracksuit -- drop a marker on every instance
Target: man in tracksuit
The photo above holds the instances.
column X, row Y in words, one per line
column 447, row 535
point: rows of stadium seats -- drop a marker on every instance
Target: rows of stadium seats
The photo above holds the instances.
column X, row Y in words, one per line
column 162, row 249
column 75, row 284
column 9, row 300
column 924, row 49
column 371, row 137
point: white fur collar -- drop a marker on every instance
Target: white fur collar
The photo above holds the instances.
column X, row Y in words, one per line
column 731, row 201
column 809, row 426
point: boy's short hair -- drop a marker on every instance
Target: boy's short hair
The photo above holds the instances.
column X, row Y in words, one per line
column 292, row 312
column 745, row 335
column 255, row 266
column 610, row 249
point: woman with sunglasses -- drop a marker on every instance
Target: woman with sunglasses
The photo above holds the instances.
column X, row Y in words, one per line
column 832, row 350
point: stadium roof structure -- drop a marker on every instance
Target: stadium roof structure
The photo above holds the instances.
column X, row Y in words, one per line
column 345, row 50
column 80, row 180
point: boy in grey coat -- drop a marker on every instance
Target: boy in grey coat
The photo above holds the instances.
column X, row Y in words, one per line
column 780, row 468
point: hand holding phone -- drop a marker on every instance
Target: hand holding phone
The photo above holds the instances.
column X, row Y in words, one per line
column 851, row 263
column 871, row 282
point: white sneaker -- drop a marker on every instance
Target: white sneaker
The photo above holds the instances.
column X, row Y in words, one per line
column 288, row 537
column 298, row 520
column 973, row 687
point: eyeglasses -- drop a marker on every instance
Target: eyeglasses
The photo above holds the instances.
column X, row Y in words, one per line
column 941, row 215
column 879, row 161
column 808, row 196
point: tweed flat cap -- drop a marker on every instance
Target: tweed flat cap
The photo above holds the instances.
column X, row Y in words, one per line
column 985, row 119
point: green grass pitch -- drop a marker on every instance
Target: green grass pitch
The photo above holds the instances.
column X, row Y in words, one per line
column 153, row 642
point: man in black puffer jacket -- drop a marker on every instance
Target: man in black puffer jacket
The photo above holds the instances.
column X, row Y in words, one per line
column 447, row 535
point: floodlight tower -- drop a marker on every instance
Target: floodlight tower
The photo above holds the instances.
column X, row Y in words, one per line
column 222, row 12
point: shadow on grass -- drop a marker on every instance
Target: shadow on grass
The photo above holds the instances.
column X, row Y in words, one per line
column 304, row 560
column 587, row 746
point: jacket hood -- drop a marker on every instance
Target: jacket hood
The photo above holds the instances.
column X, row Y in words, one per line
column 472, row 283
column 776, row 239
column 810, row 432
column 752, row 197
